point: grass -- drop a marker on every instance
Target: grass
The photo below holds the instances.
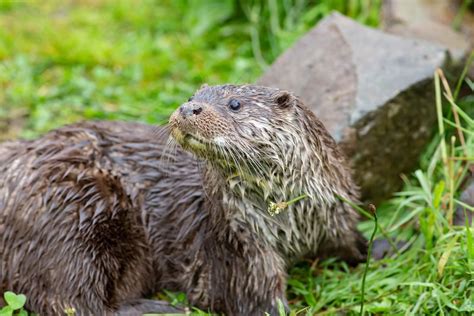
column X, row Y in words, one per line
column 96, row 59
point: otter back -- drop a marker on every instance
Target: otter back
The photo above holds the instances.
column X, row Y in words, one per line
column 73, row 215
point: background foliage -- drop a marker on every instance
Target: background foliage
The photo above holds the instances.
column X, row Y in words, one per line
column 62, row 61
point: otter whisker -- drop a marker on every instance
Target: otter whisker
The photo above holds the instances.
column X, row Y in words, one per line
column 235, row 158
column 168, row 154
column 238, row 158
column 162, row 130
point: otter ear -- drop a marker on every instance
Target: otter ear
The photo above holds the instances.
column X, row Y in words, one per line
column 284, row 99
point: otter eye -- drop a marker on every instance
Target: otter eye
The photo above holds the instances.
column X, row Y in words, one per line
column 234, row 104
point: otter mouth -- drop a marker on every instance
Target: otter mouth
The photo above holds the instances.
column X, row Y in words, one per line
column 195, row 141
column 202, row 147
column 190, row 140
column 215, row 151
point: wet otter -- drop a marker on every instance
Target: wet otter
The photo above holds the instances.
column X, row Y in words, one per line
column 97, row 215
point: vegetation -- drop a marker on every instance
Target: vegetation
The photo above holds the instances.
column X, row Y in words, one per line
column 14, row 305
column 96, row 59
column 62, row 62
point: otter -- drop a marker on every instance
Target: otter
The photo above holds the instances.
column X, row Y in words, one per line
column 98, row 216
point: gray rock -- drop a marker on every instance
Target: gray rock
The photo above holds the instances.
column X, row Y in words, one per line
column 431, row 21
column 372, row 90
column 467, row 197
column 382, row 248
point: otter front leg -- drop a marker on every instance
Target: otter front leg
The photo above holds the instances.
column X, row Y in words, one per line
column 240, row 277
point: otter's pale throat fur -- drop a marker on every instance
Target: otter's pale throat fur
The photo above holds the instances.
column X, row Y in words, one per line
column 98, row 215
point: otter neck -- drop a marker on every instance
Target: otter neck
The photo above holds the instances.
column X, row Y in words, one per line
column 300, row 226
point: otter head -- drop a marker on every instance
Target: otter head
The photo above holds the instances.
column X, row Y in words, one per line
column 242, row 128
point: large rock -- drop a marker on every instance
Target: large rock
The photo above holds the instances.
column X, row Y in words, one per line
column 432, row 21
column 373, row 91
column 467, row 197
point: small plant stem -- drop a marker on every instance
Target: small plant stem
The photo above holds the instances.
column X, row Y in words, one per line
column 439, row 113
column 296, row 199
column 463, row 75
column 457, row 21
column 276, row 208
column 451, row 99
column 369, row 216
column 463, row 158
column 367, row 263
column 451, row 184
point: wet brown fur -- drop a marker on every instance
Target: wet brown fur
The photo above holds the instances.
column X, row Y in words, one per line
column 98, row 215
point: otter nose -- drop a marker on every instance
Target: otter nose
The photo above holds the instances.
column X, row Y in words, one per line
column 189, row 109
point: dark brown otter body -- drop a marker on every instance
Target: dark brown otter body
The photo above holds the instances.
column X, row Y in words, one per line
column 95, row 216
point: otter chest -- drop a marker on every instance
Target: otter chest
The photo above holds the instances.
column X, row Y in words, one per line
column 296, row 231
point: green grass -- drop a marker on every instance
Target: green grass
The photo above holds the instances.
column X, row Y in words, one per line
column 61, row 62
column 131, row 60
